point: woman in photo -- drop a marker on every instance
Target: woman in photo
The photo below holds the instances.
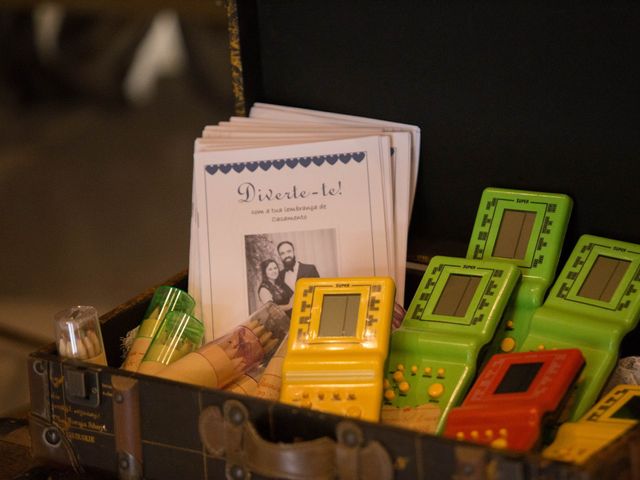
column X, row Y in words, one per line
column 270, row 289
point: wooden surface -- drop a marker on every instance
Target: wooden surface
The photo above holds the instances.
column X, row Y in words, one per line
column 16, row 462
column 15, row 457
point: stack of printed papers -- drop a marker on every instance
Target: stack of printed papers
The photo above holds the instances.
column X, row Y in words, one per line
column 288, row 193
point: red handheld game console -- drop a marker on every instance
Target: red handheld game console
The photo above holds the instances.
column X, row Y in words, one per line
column 515, row 397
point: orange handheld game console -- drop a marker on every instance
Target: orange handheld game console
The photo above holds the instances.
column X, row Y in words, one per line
column 515, row 398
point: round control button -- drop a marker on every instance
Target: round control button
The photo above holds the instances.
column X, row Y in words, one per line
column 541, row 347
column 403, row 387
column 509, row 325
column 441, row 373
column 427, row 371
column 389, row 394
column 414, row 369
column 354, row 411
column 435, row 390
column 460, row 436
column 474, row 434
column 508, row 344
column 398, row 376
column 502, row 432
column 499, row 443
column 400, row 367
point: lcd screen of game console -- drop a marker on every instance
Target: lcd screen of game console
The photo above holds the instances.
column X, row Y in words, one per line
column 457, row 295
column 514, row 234
column 339, row 316
column 603, row 278
column 630, row 410
column 518, row 377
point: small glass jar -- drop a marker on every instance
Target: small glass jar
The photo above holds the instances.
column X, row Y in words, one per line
column 78, row 334
column 165, row 299
column 179, row 334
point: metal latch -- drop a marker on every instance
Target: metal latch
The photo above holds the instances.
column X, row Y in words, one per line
column 81, row 386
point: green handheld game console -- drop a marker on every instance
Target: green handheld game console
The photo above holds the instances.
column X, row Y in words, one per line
column 526, row 229
column 594, row 302
column 454, row 313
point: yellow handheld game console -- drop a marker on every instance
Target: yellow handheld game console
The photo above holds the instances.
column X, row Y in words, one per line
column 338, row 343
column 613, row 415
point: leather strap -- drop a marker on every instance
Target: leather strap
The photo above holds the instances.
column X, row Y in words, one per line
column 126, row 426
column 230, row 434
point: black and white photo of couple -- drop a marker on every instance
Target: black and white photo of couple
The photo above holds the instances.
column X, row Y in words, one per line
column 274, row 265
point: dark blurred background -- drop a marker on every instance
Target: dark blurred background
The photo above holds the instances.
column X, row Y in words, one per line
column 100, row 103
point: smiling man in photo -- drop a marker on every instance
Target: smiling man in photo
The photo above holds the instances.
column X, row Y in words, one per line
column 293, row 269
